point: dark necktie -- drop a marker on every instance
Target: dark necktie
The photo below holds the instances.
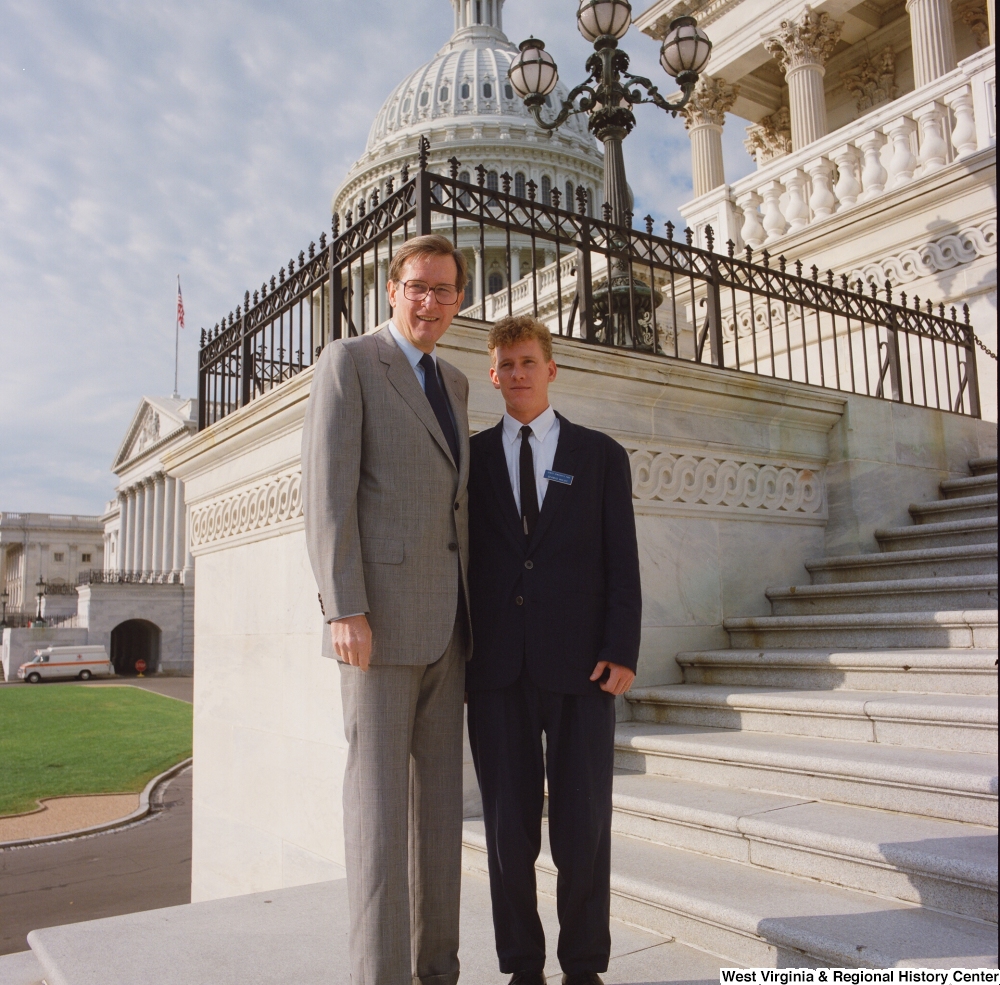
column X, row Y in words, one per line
column 439, row 403
column 529, row 494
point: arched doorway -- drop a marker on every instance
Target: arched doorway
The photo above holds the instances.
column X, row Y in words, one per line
column 132, row 640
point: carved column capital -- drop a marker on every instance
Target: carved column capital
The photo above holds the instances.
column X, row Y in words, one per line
column 809, row 40
column 976, row 16
column 770, row 138
column 873, row 80
column 709, row 103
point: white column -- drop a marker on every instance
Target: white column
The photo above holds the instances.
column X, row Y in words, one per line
column 358, row 297
column 138, row 526
column 381, row 299
column 121, row 557
column 479, row 291
column 169, row 507
column 801, row 48
column 704, row 117
column 515, row 266
column 158, row 490
column 180, row 541
column 932, row 37
column 147, row 525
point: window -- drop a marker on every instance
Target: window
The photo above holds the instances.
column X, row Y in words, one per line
column 492, row 181
column 590, row 202
column 465, row 91
column 546, row 190
column 443, row 94
column 58, row 556
column 569, row 196
column 463, row 198
column 406, row 105
column 487, row 90
column 519, row 189
column 496, row 283
column 479, row 11
column 425, row 98
column 508, row 90
column 85, row 559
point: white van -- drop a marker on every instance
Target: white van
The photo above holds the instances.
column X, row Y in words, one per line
column 53, row 662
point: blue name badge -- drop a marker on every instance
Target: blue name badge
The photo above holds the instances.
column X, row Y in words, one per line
column 566, row 480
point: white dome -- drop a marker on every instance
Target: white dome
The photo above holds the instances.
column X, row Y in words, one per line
column 462, row 101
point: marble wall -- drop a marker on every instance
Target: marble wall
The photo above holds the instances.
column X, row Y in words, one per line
column 738, row 480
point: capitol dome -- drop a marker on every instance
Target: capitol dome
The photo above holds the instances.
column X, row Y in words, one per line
column 462, row 101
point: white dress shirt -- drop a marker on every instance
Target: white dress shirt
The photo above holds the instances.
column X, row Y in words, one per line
column 543, row 441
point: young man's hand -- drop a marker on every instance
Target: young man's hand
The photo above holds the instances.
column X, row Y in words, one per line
column 619, row 678
column 352, row 640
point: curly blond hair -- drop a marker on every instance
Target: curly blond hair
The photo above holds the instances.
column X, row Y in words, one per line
column 519, row 328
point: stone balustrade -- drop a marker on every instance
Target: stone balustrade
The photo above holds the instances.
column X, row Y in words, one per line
column 873, row 157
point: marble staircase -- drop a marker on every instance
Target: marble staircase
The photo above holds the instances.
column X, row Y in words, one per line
column 825, row 791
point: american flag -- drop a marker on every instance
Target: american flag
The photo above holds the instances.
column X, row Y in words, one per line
column 180, row 304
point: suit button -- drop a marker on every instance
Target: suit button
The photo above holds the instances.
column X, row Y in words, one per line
column 453, row 547
column 529, row 564
column 519, row 601
column 457, row 507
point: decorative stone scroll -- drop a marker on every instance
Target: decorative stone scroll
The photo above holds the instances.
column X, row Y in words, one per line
column 664, row 477
column 940, row 254
column 873, row 81
column 271, row 503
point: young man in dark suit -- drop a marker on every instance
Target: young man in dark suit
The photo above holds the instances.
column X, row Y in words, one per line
column 556, row 605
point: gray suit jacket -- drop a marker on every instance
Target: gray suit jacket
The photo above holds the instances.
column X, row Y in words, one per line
column 386, row 512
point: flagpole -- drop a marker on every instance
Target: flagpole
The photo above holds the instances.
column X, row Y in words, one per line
column 177, row 338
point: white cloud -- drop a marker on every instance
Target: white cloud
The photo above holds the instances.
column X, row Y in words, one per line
column 142, row 140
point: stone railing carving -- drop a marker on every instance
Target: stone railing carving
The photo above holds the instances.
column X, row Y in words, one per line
column 668, row 479
column 940, row 254
column 257, row 509
column 869, row 159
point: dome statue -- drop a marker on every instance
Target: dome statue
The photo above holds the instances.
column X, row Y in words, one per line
column 462, row 102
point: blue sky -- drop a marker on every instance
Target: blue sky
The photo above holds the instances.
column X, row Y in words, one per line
column 139, row 141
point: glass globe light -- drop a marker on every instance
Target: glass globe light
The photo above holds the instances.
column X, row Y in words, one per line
column 685, row 49
column 533, row 72
column 598, row 18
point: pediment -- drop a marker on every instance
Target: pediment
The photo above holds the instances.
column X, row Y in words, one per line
column 155, row 420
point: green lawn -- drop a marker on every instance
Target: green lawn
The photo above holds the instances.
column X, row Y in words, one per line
column 60, row 740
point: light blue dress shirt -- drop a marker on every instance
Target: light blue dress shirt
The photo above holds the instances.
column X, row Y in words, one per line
column 543, row 440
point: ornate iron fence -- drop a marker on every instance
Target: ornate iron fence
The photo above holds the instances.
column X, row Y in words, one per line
column 598, row 283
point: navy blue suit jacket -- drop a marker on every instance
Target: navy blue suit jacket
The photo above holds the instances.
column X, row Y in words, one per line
column 568, row 597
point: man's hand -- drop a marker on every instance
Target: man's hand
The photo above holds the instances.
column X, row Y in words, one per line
column 352, row 640
column 619, row 678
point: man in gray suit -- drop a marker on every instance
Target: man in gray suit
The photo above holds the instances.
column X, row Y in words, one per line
column 385, row 461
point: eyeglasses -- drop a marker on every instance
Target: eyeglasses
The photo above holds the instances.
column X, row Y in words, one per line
column 417, row 290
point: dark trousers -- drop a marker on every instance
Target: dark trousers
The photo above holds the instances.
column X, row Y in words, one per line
column 505, row 731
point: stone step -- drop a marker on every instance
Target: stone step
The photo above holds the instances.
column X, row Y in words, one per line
column 958, row 508
column 759, row 918
column 982, row 530
column 956, row 786
column 960, row 723
column 983, row 466
column 936, row 671
column 970, row 485
column 958, row 629
column 932, row 562
column 891, row 595
column 298, row 936
column 21, row 968
column 945, row 865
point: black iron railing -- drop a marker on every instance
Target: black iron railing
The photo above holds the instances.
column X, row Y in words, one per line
column 598, row 283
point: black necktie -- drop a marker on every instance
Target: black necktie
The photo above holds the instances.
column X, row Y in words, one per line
column 529, row 494
column 439, row 403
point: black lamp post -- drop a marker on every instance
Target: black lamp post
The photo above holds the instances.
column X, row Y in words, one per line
column 4, row 596
column 40, row 585
column 603, row 94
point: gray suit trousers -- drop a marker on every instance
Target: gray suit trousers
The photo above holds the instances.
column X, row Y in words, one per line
column 403, row 817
